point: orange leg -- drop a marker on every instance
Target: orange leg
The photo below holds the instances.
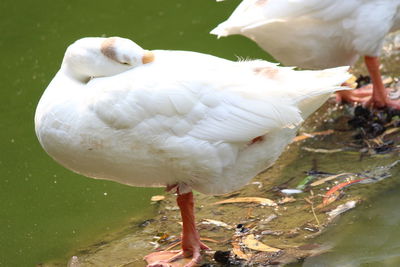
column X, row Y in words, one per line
column 360, row 95
column 191, row 244
column 377, row 96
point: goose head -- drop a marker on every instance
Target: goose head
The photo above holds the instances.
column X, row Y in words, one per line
column 100, row 57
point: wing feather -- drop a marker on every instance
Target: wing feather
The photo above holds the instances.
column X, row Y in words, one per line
column 203, row 112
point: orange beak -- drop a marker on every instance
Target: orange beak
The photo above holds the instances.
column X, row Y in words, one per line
column 148, row 57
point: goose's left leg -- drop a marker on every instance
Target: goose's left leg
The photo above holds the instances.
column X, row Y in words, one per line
column 379, row 96
column 191, row 244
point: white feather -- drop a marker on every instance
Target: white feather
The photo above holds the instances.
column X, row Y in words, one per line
column 186, row 118
column 312, row 33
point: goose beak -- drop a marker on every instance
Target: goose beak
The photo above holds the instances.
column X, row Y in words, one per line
column 148, row 57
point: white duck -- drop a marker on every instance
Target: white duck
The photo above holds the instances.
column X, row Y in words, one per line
column 172, row 118
column 316, row 34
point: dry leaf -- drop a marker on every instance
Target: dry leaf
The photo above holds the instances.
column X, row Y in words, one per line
column 258, row 200
column 310, row 135
column 326, row 179
column 254, row 244
column 157, row 198
column 351, row 82
column 390, row 131
column 327, row 198
column 239, row 253
column 301, row 137
column 342, row 208
column 216, row 223
column 322, row 150
column 287, row 200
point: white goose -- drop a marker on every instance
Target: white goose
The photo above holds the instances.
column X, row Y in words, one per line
column 172, row 118
column 316, row 34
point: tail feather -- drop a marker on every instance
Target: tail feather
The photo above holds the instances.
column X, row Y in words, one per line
column 308, row 89
column 315, row 92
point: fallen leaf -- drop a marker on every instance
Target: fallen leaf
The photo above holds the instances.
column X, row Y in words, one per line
column 387, row 80
column 301, row 137
column 286, row 200
column 157, row 198
column 351, row 82
column 310, row 135
column 305, row 181
column 258, row 200
column 329, row 178
column 328, row 199
column 336, row 188
column 216, row 223
column 239, row 253
column 254, row 244
column 342, row 208
column 390, row 131
column 322, row 150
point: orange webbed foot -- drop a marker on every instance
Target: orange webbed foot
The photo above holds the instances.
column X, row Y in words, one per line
column 190, row 255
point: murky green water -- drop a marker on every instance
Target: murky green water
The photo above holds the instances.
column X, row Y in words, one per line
column 48, row 212
column 367, row 236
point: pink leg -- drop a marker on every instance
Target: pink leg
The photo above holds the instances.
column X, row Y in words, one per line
column 191, row 244
column 378, row 96
column 360, row 95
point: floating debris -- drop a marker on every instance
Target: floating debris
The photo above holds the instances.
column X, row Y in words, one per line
column 291, row 191
column 250, row 242
column 323, row 150
column 258, row 200
column 285, row 200
column 73, row 262
column 161, row 238
column 342, row 208
column 271, row 232
column 305, row 181
column 259, row 184
column 379, row 173
column 157, row 198
column 374, row 129
column 333, row 191
column 305, row 136
column 216, row 223
column 268, row 219
column 239, row 253
column 329, row 178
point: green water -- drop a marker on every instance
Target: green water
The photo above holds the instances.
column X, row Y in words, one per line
column 48, row 212
column 368, row 236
